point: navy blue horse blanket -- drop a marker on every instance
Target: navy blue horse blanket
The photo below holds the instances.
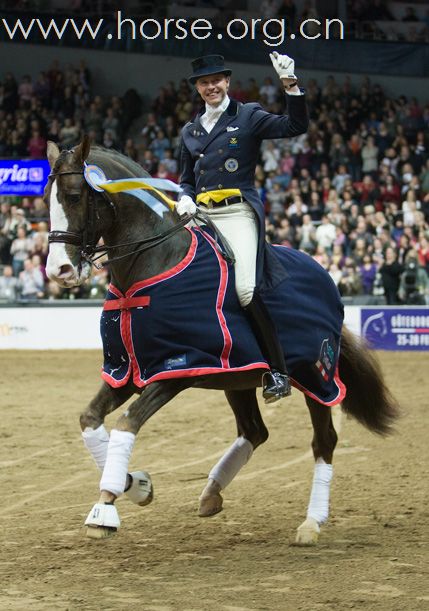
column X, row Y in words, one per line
column 188, row 322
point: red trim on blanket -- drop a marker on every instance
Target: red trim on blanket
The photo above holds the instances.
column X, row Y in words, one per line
column 182, row 373
column 183, row 264
column 115, row 291
column 227, row 339
column 342, row 390
column 124, row 303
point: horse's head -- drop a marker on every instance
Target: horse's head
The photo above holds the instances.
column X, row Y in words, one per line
column 67, row 197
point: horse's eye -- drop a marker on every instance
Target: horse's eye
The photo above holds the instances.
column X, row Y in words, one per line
column 73, row 198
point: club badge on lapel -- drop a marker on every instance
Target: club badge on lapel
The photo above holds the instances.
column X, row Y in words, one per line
column 233, row 143
column 231, row 164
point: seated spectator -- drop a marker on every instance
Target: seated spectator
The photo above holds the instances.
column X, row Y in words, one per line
column 350, row 282
column 98, row 283
column 31, row 282
column 340, row 178
column 335, row 272
column 306, row 235
column 369, row 154
column 20, row 249
column 276, row 199
column 270, row 156
column 69, row 134
column 325, row 233
column 36, row 145
column 170, row 163
column 159, row 145
column 8, row 284
column 368, row 271
column 268, row 91
column 162, row 172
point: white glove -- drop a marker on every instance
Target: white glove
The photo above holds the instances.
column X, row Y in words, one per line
column 283, row 65
column 186, row 205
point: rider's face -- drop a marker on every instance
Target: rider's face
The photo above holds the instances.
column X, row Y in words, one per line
column 213, row 88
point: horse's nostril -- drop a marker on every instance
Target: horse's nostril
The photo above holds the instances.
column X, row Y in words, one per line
column 65, row 270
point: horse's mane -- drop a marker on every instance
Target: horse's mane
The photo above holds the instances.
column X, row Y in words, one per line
column 131, row 165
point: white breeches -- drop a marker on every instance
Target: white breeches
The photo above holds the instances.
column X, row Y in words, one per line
column 239, row 225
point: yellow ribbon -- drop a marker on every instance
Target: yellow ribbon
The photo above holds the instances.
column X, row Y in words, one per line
column 118, row 187
column 217, row 196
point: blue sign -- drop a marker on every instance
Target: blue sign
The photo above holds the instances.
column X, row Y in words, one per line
column 24, row 178
column 396, row 328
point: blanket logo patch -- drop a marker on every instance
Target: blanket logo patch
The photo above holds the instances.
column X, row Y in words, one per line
column 326, row 359
column 175, row 362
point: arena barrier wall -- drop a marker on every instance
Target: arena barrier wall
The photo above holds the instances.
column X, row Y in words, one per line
column 76, row 326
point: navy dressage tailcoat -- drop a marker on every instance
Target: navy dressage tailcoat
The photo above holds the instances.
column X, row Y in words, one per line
column 226, row 158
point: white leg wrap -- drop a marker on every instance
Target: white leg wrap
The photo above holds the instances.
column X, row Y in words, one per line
column 231, row 462
column 96, row 442
column 318, row 508
column 119, row 450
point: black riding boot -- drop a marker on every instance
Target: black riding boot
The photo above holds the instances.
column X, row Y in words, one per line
column 276, row 383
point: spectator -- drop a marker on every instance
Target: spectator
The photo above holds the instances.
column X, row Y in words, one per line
column 414, row 282
column 69, row 134
column 31, row 282
column 8, row 285
column 20, row 250
column 390, row 273
column 369, row 157
column 350, row 282
column 368, row 271
column 325, row 233
column 268, row 91
column 36, row 145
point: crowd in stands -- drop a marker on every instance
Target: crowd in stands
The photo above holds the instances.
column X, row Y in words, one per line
column 353, row 191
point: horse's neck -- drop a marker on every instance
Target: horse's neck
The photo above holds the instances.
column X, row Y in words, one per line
column 136, row 222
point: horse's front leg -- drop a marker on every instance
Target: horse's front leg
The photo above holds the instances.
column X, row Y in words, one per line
column 251, row 432
column 94, row 435
column 103, row 519
column 323, row 444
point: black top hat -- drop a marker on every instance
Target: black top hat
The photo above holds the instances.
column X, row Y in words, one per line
column 208, row 64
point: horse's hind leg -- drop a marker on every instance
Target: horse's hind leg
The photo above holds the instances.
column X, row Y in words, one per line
column 323, row 444
column 251, row 432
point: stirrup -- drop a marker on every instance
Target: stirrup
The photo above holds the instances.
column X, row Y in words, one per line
column 276, row 385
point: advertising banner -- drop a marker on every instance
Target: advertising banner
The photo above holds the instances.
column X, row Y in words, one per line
column 45, row 328
column 396, row 328
column 23, row 178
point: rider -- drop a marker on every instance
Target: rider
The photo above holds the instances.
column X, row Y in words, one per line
column 219, row 153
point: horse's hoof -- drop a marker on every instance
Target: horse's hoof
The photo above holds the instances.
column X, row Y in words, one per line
column 210, row 505
column 100, row 532
column 140, row 491
column 102, row 521
column 308, row 533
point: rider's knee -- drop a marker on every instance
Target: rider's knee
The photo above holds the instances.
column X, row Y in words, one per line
column 245, row 293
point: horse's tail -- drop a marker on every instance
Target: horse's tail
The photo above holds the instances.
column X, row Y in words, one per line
column 368, row 399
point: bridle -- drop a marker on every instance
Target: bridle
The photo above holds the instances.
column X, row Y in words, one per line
column 87, row 240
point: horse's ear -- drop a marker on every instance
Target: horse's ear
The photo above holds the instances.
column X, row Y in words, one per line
column 53, row 152
column 81, row 152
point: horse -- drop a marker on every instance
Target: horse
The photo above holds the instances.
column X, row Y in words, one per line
column 83, row 214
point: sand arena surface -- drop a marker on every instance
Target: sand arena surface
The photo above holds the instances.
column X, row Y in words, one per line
column 372, row 555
